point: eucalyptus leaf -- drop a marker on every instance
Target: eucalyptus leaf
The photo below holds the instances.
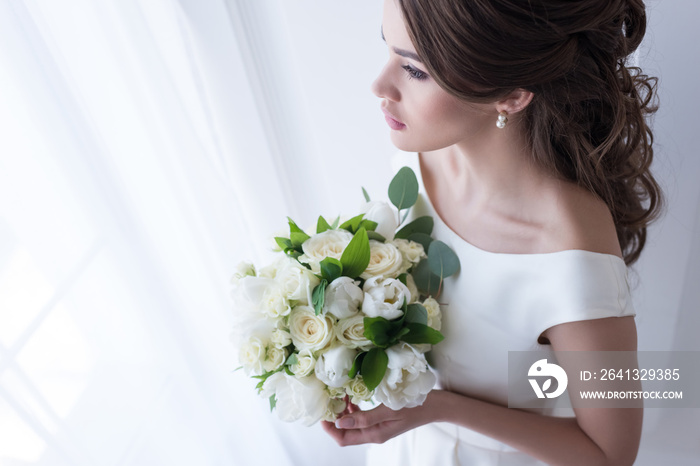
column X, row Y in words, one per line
column 403, row 189
column 416, row 313
column 420, row 333
column 318, row 296
column 322, row 225
column 291, row 360
column 426, row 281
column 374, row 367
column 364, row 193
column 356, row 255
column 420, row 225
column 442, row 260
column 331, row 268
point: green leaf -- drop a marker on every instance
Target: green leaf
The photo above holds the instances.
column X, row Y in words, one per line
column 427, row 282
column 403, row 189
column 335, row 223
column 420, row 225
column 291, row 360
column 356, row 255
column 420, row 333
column 298, row 239
column 368, row 225
column 374, row 367
column 322, row 225
column 356, row 365
column 376, row 236
column 417, row 314
column 331, row 268
column 353, row 224
column 421, row 238
column 293, row 228
column 378, row 330
column 364, row 193
column 442, row 260
column 382, row 332
column 403, row 278
column 273, row 402
column 283, row 243
column 318, row 296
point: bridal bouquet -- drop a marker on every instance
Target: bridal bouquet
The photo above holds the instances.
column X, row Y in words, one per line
column 345, row 313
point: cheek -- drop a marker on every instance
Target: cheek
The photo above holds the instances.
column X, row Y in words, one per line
column 437, row 120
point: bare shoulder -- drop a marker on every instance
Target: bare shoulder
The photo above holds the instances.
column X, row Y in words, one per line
column 578, row 219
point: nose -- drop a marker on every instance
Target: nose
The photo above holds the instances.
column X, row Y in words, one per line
column 383, row 86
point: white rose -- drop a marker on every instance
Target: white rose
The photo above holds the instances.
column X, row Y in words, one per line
column 384, row 297
column 336, row 392
column 385, row 216
column 308, row 330
column 305, row 364
column 407, row 380
column 335, row 407
column 243, row 269
column 351, row 332
column 343, row 297
column 274, row 358
column 251, row 355
column 297, row 281
column 412, row 288
column 358, row 391
column 411, row 252
column 434, row 313
column 385, row 259
column 333, row 366
column 280, row 338
column 302, row 399
column 330, row 243
column 275, row 303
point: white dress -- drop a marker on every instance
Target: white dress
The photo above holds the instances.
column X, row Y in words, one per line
column 495, row 304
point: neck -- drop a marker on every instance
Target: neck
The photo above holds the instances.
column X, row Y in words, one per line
column 497, row 169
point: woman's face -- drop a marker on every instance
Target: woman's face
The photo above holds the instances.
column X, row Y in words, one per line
column 422, row 116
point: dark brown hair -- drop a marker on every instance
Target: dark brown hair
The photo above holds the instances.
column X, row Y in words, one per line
column 587, row 121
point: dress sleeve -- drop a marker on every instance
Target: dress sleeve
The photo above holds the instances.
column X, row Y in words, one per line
column 581, row 285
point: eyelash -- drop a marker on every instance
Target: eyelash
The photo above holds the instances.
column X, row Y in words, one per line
column 414, row 73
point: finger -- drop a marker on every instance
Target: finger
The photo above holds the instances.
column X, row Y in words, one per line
column 364, row 419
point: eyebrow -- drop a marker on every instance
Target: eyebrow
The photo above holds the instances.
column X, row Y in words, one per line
column 402, row 52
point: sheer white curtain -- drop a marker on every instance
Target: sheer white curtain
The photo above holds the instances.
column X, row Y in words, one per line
column 132, row 179
column 146, row 146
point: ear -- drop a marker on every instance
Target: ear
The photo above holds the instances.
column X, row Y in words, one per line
column 514, row 102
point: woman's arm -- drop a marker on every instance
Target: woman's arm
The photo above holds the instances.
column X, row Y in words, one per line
column 601, row 436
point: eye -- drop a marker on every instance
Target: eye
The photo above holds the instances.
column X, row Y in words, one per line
column 414, row 73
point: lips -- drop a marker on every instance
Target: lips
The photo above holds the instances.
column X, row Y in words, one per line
column 392, row 121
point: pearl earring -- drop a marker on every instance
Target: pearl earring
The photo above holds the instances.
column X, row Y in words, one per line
column 502, row 120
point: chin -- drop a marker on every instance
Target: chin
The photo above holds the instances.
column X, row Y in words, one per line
column 406, row 144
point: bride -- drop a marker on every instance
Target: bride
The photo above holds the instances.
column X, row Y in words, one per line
column 527, row 131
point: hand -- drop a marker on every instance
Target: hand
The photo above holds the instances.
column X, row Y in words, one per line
column 378, row 425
